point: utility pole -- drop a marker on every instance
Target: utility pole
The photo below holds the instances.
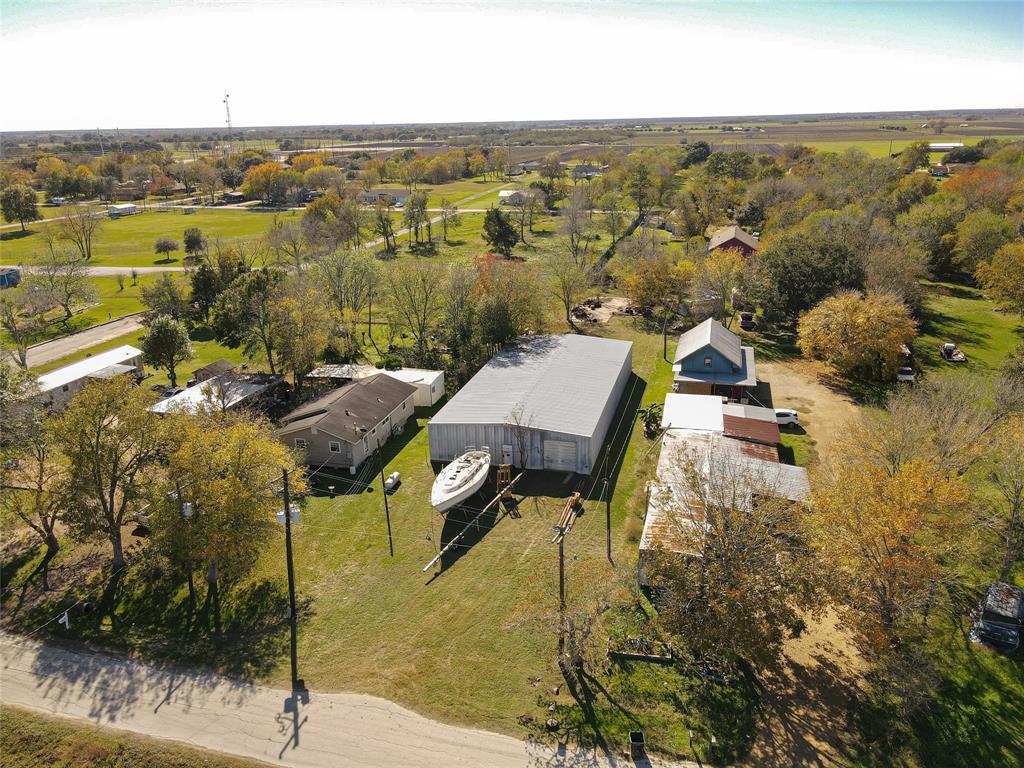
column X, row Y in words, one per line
column 227, row 110
column 297, row 684
column 387, row 510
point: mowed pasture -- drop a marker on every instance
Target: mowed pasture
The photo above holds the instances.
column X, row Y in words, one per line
column 128, row 241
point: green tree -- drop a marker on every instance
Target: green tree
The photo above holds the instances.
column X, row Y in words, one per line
column 914, row 156
column 166, row 296
column 166, row 344
column 225, row 466
column 979, row 236
column 18, row 203
column 165, row 246
column 242, row 316
column 195, row 244
column 110, row 441
column 1003, row 276
column 499, row 232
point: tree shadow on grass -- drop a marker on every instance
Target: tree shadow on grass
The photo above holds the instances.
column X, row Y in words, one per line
column 16, row 234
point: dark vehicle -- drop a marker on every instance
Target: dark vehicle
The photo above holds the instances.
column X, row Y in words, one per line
column 747, row 322
column 1001, row 617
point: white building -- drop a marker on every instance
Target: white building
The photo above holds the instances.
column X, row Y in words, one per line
column 59, row 386
column 542, row 402
column 122, row 209
column 429, row 384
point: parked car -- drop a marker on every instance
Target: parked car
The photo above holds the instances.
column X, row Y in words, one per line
column 787, row 417
column 1000, row 617
column 906, row 374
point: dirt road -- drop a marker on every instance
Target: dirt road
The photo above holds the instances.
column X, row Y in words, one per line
column 824, row 412
column 57, row 348
column 336, row 729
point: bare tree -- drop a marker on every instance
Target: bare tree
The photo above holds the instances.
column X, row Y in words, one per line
column 450, row 217
column 79, row 226
column 23, row 316
column 64, row 277
column 569, row 276
column 521, row 424
column 288, row 242
column 414, row 292
column 577, row 225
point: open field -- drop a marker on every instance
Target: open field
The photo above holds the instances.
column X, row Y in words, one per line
column 112, row 303
column 128, row 241
column 31, row 738
column 960, row 314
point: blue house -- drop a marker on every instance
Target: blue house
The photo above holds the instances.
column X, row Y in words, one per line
column 710, row 360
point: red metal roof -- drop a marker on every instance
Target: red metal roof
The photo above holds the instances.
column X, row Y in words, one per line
column 759, row 451
column 752, row 429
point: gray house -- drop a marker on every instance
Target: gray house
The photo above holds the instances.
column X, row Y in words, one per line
column 395, row 197
column 542, row 402
column 346, row 425
column 710, row 360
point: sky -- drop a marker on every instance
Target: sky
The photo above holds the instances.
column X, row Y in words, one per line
column 167, row 63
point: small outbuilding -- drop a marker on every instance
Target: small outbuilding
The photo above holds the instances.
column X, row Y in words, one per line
column 118, row 210
column 542, row 402
column 224, row 392
column 429, row 384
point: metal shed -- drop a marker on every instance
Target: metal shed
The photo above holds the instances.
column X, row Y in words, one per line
column 543, row 402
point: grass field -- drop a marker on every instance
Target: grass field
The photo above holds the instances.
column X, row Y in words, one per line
column 33, row 739
column 112, row 303
column 128, row 241
column 960, row 314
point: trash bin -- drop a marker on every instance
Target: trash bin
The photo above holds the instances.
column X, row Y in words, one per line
column 636, row 744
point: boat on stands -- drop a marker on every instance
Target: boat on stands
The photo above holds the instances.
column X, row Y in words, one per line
column 461, row 479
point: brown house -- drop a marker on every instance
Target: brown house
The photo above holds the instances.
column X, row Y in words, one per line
column 733, row 236
column 347, row 424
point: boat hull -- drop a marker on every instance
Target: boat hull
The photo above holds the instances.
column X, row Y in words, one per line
column 444, row 499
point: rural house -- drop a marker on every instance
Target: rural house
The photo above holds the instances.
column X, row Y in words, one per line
column 511, row 197
column 59, row 386
column 585, row 172
column 227, row 391
column 429, row 384
column 542, row 402
column 347, row 424
column 709, row 360
column 207, row 372
column 735, row 447
column 395, row 197
column 733, row 237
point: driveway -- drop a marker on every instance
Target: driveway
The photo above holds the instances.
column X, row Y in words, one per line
column 338, row 730
column 62, row 346
column 824, row 412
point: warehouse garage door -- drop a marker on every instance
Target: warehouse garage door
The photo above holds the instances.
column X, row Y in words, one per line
column 560, row 454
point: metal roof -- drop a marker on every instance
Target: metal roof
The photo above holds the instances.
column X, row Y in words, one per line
column 749, row 412
column 713, row 333
column 87, row 367
column 555, row 383
column 732, row 232
column 699, row 412
column 746, row 376
column 752, row 429
column 351, row 411
column 224, row 391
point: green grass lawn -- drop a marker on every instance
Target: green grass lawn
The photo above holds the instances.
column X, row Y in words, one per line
column 112, row 302
column 129, row 241
column 34, row 739
column 960, row 314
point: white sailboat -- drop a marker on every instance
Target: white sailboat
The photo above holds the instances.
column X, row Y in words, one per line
column 460, row 479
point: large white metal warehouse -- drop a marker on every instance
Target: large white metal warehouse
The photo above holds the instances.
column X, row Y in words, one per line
column 548, row 399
